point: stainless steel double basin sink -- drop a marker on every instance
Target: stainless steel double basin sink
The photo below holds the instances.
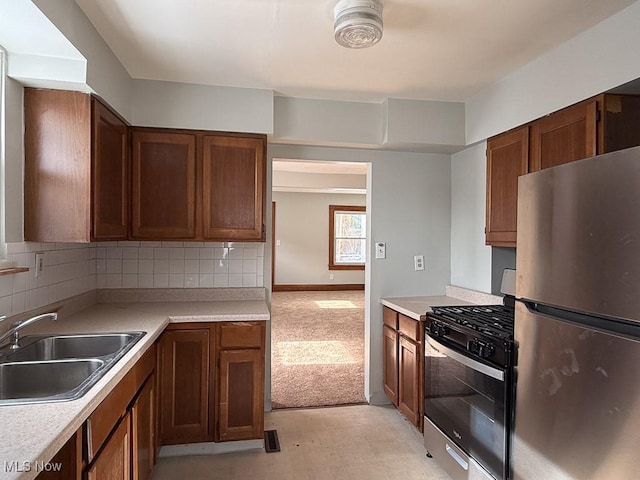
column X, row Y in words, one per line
column 53, row 368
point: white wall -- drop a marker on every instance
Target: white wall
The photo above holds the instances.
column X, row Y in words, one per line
column 182, row 105
column 409, row 205
column 394, row 123
column 14, row 162
column 105, row 74
column 597, row 60
column 470, row 257
column 303, row 120
column 302, row 227
column 414, row 121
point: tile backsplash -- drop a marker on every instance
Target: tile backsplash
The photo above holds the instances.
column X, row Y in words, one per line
column 179, row 265
column 71, row 269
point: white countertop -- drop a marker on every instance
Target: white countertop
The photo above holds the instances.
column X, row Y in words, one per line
column 415, row 307
column 36, row 432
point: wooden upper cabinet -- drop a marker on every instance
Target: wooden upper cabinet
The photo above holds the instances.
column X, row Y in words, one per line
column 110, row 175
column 564, row 136
column 619, row 123
column 507, row 159
column 193, row 185
column 163, row 189
column 76, row 163
column 233, row 188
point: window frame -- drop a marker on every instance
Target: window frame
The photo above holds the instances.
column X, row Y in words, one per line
column 332, row 238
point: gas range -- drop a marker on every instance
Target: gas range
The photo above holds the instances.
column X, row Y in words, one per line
column 468, row 386
column 481, row 331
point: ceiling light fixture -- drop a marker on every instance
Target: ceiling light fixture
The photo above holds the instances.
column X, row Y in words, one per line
column 358, row 23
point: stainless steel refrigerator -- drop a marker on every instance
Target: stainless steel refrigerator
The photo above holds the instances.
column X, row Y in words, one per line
column 577, row 323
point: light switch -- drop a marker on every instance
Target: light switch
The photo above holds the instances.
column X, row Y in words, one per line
column 381, row 250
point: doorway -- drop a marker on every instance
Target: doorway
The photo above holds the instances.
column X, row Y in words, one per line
column 317, row 326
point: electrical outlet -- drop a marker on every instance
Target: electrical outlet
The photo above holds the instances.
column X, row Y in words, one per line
column 39, row 264
column 381, row 250
column 418, row 262
column 331, row 276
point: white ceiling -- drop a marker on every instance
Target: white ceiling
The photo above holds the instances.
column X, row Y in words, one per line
column 431, row 49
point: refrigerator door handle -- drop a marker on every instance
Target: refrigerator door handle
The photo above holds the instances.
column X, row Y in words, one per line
column 466, row 361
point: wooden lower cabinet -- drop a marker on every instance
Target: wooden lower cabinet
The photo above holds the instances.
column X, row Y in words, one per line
column 390, row 363
column 402, row 339
column 241, row 403
column 69, row 457
column 211, row 385
column 114, row 461
column 409, row 379
column 143, row 432
column 184, row 384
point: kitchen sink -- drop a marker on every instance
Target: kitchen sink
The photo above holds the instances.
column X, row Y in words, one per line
column 28, row 382
column 71, row 346
column 53, row 368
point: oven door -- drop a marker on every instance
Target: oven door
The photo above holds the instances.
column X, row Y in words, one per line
column 468, row 401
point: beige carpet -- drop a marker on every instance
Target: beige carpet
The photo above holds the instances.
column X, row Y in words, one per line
column 317, row 349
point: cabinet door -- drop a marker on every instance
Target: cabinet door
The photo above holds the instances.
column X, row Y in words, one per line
column 143, row 431
column 113, row 462
column 564, row 136
column 163, row 188
column 69, row 458
column 184, row 386
column 507, row 159
column 409, row 379
column 241, row 395
column 390, row 363
column 233, row 188
column 57, row 164
column 109, row 175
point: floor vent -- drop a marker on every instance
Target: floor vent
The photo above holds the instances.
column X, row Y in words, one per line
column 271, row 443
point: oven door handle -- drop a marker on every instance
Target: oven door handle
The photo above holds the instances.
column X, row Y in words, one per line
column 469, row 362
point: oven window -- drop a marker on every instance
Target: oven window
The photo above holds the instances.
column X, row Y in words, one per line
column 468, row 406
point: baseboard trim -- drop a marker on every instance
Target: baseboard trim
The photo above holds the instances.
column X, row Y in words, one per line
column 318, row 287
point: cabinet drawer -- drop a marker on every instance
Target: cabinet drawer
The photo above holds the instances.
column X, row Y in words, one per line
column 241, row 335
column 101, row 422
column 114, row 462
column 390, row 317
column 409, row 327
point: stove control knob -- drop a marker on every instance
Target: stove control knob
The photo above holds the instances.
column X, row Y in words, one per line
column 438, row 330
column 482, row 349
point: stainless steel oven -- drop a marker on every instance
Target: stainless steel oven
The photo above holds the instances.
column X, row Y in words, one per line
column 468, row 386
column 466, row 404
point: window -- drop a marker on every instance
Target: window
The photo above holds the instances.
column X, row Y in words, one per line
column 347, row 237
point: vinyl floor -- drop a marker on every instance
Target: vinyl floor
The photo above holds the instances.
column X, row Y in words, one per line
column 338, row 443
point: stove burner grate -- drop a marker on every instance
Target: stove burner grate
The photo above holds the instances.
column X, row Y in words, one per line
column 492, row 320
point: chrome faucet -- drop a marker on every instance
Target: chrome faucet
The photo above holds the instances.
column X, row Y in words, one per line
column 14, row 330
